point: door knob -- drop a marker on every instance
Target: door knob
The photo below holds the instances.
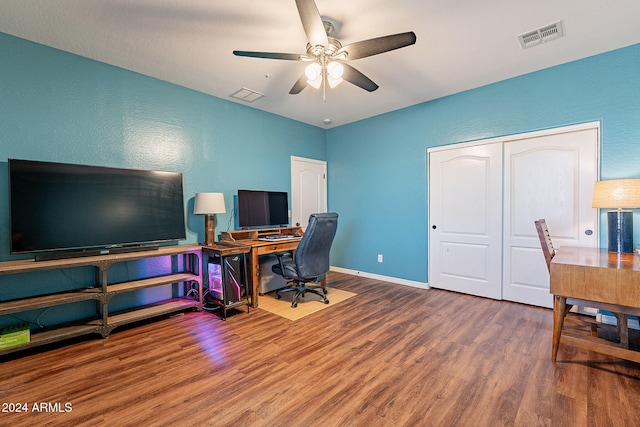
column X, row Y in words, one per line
column 433, row 226
column 588, row 232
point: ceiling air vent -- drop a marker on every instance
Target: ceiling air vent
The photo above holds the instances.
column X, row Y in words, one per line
column 541, row 35
column 247, row 95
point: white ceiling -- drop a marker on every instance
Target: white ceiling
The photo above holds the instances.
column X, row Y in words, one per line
column 461, row 44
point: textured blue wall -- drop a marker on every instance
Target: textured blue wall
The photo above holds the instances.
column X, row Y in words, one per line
column 57, row 106
column 377, row 167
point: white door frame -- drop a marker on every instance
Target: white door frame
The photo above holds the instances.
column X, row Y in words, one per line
column 526, row 135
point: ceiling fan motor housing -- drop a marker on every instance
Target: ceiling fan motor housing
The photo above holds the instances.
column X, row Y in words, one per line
column 328, row 52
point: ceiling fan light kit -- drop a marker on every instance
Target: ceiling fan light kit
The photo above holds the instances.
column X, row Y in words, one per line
column 335, row 70
column 326, row 52
column 314, row 74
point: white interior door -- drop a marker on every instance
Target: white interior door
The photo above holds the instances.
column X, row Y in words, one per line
column 550, row 177
column 308, row 189
column 465, row 217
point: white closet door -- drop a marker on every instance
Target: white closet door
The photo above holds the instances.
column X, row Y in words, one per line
column 551, row 177
column 465, row 220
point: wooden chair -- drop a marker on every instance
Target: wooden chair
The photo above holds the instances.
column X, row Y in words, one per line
column 545, row 242
column 549, row 252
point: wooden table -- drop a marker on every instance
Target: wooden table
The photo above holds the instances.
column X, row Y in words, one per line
column 592, row 277
column 261, row 247
column 252, row 238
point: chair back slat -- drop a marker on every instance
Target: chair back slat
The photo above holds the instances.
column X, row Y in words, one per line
column 545, row 241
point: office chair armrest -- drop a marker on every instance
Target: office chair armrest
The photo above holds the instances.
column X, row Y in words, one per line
column 281, row 255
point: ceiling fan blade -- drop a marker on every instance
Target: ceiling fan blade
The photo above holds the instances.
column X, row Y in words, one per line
column 371, row 47
column 312, row 23
column 300, row 84
column 354, row 76
column 270, row 55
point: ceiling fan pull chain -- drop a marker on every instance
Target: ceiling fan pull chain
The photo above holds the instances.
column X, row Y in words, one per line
column 324, row 85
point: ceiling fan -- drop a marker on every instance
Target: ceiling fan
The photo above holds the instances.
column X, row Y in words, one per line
column 327, row 55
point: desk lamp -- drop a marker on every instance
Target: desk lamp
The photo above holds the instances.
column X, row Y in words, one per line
column 622, row 194
column 209, row 204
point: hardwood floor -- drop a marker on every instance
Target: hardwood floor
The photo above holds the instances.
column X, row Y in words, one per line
column 391, row 356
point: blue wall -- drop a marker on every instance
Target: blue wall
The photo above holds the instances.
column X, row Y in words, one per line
column 57, row 106
column 377, row 167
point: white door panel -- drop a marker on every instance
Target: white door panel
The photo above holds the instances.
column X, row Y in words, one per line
column 308, row 189
column 548, row 177
column 465, row 220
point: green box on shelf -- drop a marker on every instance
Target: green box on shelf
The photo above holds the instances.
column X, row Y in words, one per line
column 14, row 335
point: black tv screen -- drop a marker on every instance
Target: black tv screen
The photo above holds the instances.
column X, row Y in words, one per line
column 59, row 207
column 262, row 208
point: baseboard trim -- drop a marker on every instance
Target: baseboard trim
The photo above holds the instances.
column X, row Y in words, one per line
column 395, row 280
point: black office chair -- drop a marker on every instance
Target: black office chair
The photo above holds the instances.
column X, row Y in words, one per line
column 311, row 262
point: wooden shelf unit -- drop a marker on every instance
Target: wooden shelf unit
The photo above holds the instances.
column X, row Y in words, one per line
column 185, row 273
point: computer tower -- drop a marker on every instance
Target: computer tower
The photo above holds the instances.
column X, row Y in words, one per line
column 226, row 278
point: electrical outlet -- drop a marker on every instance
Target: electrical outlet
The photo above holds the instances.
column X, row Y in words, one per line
column 379, row 257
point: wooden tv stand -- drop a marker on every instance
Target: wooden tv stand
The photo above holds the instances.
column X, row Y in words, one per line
column 186, row 271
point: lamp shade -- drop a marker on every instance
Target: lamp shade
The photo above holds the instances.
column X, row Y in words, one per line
column 209, row 203
column 617, row 193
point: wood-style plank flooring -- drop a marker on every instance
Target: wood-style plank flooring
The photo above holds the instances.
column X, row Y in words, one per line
column 391, row 356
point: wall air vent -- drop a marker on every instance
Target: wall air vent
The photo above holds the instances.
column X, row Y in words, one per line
column 541, row 35
column 247, row 95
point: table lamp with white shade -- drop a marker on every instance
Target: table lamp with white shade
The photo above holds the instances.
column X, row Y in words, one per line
column 209, row 204
column 622, row 195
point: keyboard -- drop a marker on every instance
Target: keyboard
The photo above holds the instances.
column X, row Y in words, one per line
column 278, row 237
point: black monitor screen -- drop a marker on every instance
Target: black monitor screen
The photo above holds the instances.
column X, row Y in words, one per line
column 262, row 208
column 58, row 206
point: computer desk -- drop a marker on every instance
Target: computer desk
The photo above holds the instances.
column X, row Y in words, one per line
column 259, row 247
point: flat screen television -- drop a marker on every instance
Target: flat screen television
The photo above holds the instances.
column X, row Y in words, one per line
column 57, row 207
column 262, row 208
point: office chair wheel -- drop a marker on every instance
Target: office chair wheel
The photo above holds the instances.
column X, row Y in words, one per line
column 278, row 296
column 294, row 304
column 326, row 301
column 324, row 291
